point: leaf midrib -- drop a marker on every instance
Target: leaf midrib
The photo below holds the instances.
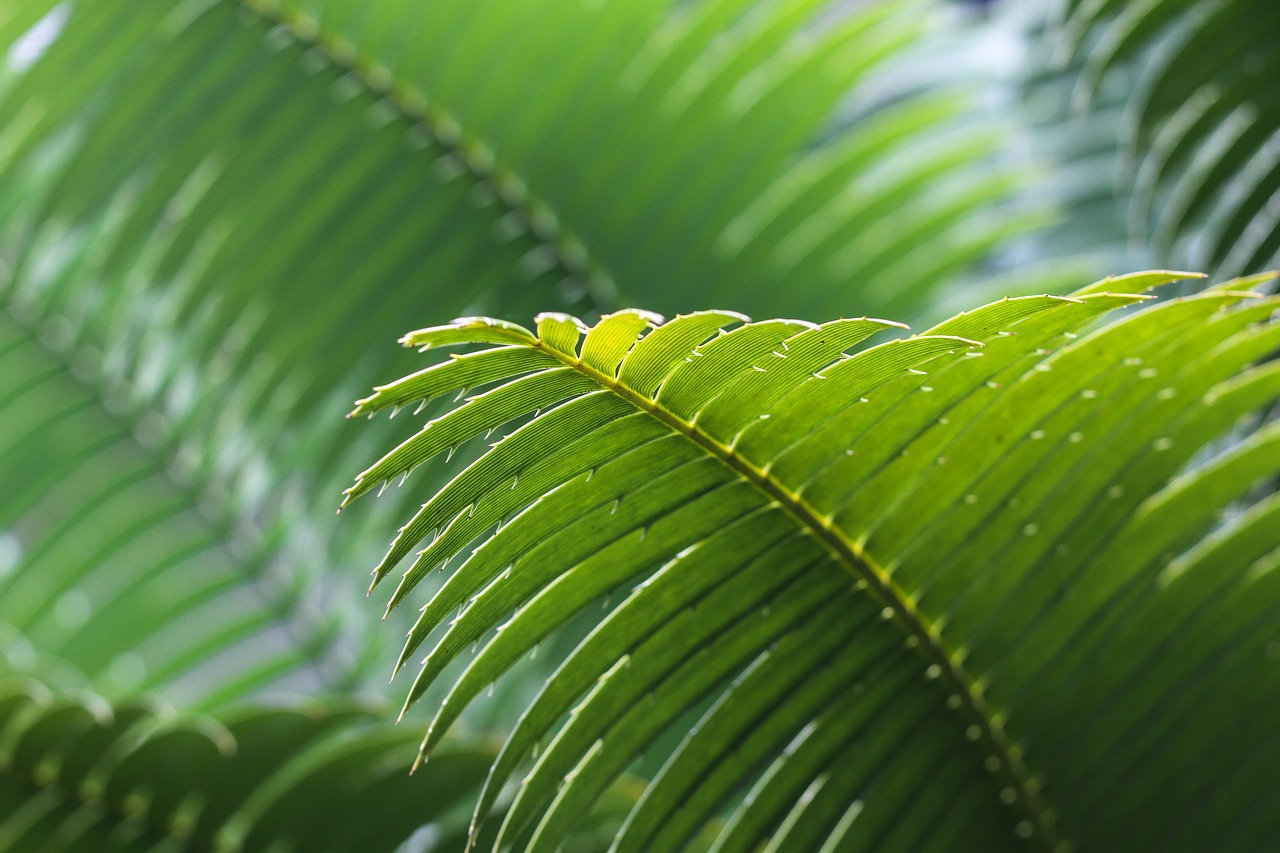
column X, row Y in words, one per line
column 923, row 634
column 158, row 457
column 413, row 106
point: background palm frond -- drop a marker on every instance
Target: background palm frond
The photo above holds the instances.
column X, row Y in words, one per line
column 1185, row 92
column 81, row 774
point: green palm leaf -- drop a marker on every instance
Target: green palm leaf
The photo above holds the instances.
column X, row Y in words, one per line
column 950, row 590
column 192, row 195
column 1201, row 115
column 79, row 774
column 123, row 572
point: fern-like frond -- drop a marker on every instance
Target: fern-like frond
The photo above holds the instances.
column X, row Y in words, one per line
column 432, row 156
column 78, row 773
column 122, row 570
column 947, row 591
column 193, row 195
column 1201, row 120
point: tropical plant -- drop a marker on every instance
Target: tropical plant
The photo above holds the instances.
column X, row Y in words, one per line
column 1171, row 108
column 212, row 213
column 80, row 774
column 210, row 210
column 250, row 173
column 991, row 582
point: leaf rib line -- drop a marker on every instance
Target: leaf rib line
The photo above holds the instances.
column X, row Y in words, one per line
column 447, row 132
column 1036, row 824
column 307, row 633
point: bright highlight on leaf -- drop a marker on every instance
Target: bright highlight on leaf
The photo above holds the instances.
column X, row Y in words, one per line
column 946, row 591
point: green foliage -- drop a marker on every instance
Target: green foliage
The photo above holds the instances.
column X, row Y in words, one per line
column 79, row 774
column 1201, row 113
column 210, row 210
column 213, row 213
column 122, row 571
column 942, row 593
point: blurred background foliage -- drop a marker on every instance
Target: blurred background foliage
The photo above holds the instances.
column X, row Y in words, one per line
column 216, row 216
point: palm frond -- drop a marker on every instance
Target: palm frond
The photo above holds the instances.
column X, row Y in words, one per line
column 1200, row 125
column 947, row 591
column 122, row 567
column 77, row 773
column 194, row 195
